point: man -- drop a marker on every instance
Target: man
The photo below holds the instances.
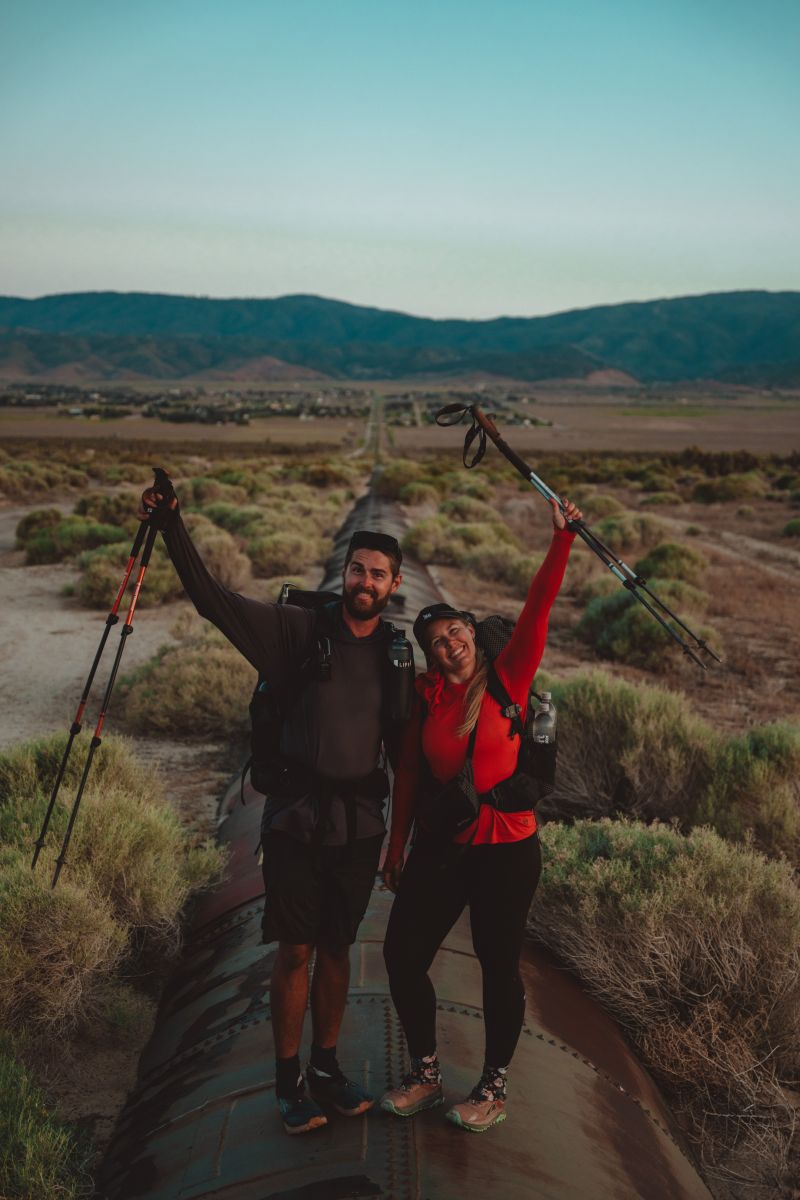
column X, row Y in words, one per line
column 323, row 828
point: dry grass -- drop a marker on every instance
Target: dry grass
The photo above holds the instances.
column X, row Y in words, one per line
column 693, row 944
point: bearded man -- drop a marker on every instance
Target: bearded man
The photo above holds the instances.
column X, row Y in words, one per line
column 323, row 824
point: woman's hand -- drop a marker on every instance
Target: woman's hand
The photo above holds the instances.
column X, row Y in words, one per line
column 570, row 513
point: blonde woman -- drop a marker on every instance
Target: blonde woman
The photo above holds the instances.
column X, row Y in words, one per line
column 492, row 865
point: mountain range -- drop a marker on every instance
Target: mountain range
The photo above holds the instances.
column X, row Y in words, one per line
column 750, row 337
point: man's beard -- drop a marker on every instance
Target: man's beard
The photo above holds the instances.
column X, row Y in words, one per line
column 361, row 611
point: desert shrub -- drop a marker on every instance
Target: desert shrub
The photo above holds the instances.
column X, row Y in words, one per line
column 206, row 490
column 792, row 528
column 439, row 540
column 69, row 537
column 283, row 553
column 656, row 499
column 670, row 560
column 414, row 494
column 128, row 853
column 467, row 508
column 103, row 569
column 195, row 689
column 39, row 1156
column 746, row 511
column 628, row 532
column 235, row 518
column 118, row 509
column 643, row 752
column 621, row 629
column 693, row 945
column 219, row 551
column 600, row 505
column 730, row 487
column 502, row 563
column 655, row 481
column 59, row 946
column 327, row 474
column 41, row 520
column 466, row 483
column 395, row 475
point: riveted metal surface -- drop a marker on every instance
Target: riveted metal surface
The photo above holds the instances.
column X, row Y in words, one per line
column 585, row 1119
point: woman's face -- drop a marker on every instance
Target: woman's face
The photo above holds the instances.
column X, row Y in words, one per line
column 451, row 645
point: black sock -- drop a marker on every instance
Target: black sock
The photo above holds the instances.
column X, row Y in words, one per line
column 324, row 1059
column 288, row 1077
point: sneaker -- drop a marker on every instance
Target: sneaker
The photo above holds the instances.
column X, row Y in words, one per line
column 484, row 1107
column 347, row 1097
column 301, row 1114
column 421, row 1089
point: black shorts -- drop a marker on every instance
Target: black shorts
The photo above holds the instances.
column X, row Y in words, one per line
column 317, row 896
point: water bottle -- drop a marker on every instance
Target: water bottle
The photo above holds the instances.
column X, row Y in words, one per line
column 542, row 747
column 400, row 691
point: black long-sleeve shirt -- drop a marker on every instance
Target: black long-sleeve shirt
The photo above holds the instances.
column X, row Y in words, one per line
column 335, row 727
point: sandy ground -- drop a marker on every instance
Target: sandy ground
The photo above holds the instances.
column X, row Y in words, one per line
column 47, row 643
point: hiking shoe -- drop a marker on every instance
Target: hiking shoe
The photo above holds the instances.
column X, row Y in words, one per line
column 347, row 1097
column 301, row 1114
column 477, row 1115
column 414, row 1095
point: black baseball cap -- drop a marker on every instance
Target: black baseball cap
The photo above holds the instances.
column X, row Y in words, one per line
column 436, row 612
column 369, row 539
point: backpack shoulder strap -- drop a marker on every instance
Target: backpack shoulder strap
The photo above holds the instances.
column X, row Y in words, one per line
column 499, row 693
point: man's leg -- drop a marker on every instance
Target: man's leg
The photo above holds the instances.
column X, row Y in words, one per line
column 329, row 994
column 289, row 997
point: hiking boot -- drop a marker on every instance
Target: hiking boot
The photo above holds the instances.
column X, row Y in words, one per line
column 421, row 1089
column 485, row 1106
column 347, row 1097
column 301, row 1114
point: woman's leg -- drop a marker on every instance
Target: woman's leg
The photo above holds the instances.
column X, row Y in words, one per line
column 502, row 881
column 431, row 897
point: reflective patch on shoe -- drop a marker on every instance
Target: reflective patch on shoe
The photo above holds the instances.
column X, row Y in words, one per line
column 301, row 1114
column 343, row 1094
column 477, row 1115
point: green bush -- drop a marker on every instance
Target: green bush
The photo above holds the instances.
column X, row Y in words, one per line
column 621, row 629
column 792, row 528
column 283, row 553
column 118, row 509
column 670, row 560
column 130, row 869
column 659, row 498
column 199, row 688
column 628, row 532
column 396, row 475
column 219, row 551
column 41, row 520
column 693, row 945
column 416, row 494
column 600, row 505
column 68, row 538
column 730, row 487
column 103, row 569
column 643, row 752
column 40, row 1157
column 502, row 563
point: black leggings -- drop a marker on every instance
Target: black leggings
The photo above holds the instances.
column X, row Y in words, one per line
column 498, row 883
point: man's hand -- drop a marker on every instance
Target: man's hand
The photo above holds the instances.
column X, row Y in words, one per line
column 570, row 513
column 152, row 508
column 392, row 869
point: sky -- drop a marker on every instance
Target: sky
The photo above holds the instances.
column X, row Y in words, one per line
column 442, row 158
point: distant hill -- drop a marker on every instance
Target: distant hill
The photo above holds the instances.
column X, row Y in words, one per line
column 752, row 337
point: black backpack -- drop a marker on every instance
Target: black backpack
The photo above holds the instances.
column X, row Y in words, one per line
column 270, row 705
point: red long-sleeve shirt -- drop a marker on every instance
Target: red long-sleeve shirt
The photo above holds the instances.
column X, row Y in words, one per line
column 495, row 753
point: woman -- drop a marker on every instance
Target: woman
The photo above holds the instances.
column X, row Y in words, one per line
column 496, row 868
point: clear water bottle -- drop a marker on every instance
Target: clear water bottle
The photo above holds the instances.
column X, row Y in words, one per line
column 542, row 747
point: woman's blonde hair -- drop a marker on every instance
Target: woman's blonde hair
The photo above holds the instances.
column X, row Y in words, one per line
column 473, row 697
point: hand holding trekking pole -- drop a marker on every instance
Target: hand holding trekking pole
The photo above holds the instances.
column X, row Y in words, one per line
column 162, row 487
column 483, row 426
column 564, row 512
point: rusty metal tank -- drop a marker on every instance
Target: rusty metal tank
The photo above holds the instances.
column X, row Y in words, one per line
column 585, row 1120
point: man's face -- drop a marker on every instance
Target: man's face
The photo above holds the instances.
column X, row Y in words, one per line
column 368, row 584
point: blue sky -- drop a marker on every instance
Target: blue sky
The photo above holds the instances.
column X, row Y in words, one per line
column 441, row 158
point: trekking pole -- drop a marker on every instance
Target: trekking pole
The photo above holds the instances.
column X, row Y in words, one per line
column 453, row 414
column 76, row 726
column 163, row 485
